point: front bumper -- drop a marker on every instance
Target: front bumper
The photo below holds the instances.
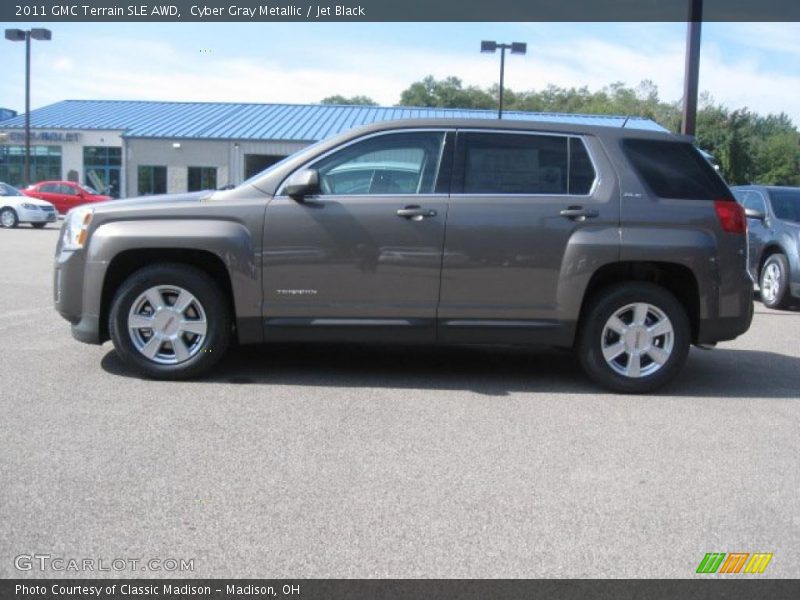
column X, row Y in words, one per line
column 27, row 215
column 72, row 275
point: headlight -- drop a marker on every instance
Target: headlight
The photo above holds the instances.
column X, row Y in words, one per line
column 29, row 206
column 76, row 226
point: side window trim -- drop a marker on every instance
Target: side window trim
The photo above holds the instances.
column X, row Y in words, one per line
column 442, row 175
column 458, row 174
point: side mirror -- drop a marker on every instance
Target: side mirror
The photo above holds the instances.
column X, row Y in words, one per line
column 303, row 183
column 752, row 213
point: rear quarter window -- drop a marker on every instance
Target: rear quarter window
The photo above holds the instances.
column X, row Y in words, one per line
column 674, row 169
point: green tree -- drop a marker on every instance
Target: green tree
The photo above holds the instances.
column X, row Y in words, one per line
column 446, row 93
column 748, row 146
column 353, row 100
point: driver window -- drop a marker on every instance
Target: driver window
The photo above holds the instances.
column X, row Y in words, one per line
column 401, row 163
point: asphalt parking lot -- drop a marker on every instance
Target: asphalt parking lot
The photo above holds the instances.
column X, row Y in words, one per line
column 339, row 461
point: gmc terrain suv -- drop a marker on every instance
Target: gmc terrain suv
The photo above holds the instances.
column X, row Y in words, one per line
column 622, row 244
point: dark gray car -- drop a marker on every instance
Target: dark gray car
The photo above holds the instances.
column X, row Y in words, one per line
column 624, row 245
column 773, row 220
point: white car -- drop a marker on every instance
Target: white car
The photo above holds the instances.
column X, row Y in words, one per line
column 16, row 208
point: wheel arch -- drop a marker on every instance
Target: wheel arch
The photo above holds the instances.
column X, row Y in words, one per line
column 769, row 249
column 127, row 262
column 677, row 278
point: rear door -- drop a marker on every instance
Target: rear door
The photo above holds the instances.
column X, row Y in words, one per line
column 362, row 259
column 519, row 204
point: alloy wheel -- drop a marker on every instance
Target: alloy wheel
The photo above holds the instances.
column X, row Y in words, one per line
column 770, row 282
column 637, row 340
column 167, row 324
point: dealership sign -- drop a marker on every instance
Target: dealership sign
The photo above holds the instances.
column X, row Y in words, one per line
column 44, row 136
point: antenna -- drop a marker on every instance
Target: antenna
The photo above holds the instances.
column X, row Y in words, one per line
column 625, row 122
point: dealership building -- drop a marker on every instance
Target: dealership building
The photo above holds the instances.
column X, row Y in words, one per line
column 132, row 148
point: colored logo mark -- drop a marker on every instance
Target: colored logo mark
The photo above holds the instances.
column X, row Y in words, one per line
column 734, row 562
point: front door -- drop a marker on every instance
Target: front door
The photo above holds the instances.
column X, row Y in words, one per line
column 362, row 258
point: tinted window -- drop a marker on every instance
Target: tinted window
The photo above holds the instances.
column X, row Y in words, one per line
column 403, row 163
column 50, row 188
column 507, row 163
column 152, row 180
column 786, row 204
column 674, row 170
column 498, row 163
column 201, row 178
column 581, row 170
column 67, row 190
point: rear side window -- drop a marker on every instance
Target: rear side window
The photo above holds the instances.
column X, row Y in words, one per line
column 508, row 163
column 674, row 170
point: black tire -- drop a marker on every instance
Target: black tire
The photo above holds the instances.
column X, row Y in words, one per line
column 38, row 225
column 213, row 304
column 778, row 297
column 591, row 337
column 8, row 218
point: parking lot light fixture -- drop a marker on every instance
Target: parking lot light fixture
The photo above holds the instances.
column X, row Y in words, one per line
column 22, row 35
column 488, row 47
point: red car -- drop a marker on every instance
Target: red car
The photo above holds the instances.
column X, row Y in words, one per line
column 64, row 194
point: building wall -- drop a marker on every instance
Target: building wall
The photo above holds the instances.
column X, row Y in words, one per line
column 225, row 155
column 71, row 147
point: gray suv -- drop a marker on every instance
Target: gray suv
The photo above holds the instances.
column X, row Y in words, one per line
column 773, row 219
column 624, row 245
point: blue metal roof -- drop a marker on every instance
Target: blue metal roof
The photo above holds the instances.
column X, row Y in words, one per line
column 236, row 121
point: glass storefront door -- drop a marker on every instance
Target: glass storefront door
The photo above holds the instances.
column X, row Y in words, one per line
column 102, row 166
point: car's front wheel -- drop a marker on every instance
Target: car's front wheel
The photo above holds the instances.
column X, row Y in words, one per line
column 774, row 282
column 8, row 218
column 170, row 321
column 634, row 337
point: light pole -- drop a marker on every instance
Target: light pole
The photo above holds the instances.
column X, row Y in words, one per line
column 491, row 48
column 22, row 35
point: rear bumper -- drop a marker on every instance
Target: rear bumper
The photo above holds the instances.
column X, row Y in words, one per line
column 722, row 329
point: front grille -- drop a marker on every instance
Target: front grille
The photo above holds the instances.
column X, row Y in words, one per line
column 48, row 208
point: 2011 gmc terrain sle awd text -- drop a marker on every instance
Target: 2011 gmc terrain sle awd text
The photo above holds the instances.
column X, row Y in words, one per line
column 622, row 244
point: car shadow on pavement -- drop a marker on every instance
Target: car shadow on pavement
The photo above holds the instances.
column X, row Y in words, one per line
column 492, row 371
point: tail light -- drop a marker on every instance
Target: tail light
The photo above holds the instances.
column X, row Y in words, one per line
column 731, row 216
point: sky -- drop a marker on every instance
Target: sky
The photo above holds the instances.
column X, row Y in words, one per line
column 753, row 65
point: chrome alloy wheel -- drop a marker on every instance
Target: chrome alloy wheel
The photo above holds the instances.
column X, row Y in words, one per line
column 770, row 282
column 637, row 340
column 167, row 324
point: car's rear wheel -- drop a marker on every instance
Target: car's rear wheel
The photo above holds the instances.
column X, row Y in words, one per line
column 8, row 218
column 634, row 337
column 170, row 321
column 774, row 282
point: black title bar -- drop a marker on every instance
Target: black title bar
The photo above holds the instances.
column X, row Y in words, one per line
column 393, row 10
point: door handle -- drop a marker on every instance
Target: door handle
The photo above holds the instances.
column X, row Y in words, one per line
column 579, row 213
column 415, row 213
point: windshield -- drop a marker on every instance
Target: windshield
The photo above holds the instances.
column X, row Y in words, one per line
column 89, row 189
column 9, row 190
column 786, row 204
